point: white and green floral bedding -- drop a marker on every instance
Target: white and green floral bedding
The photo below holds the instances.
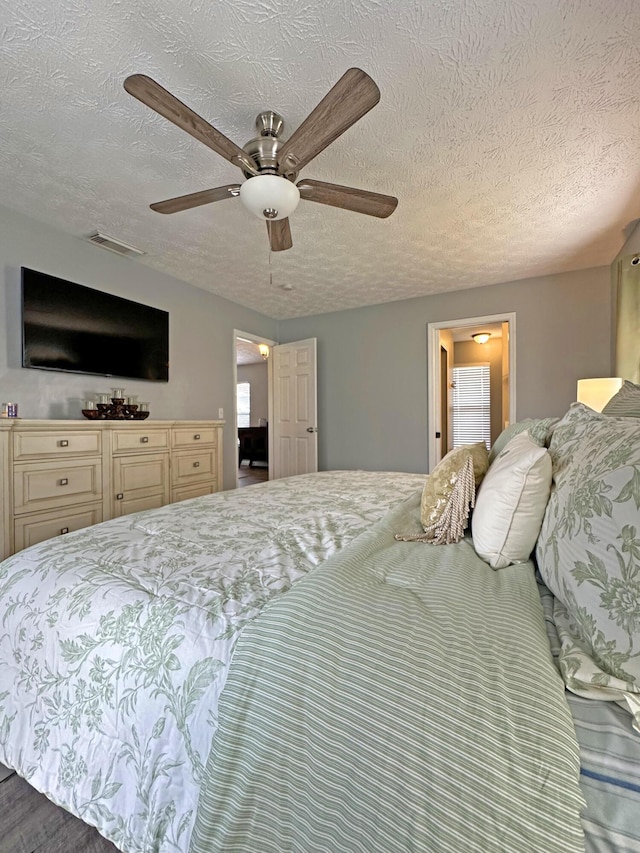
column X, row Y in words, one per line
column 588, row 553
column 115, row 641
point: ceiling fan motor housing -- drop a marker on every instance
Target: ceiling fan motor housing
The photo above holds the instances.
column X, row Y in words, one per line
column 263, row 150
column 269, row 123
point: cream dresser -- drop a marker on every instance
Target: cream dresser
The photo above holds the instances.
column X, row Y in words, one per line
column 59, row 476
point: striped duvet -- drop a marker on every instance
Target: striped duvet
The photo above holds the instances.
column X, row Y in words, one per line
column 401, row 697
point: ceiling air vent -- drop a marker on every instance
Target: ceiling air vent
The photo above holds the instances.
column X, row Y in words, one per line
column 113, row 245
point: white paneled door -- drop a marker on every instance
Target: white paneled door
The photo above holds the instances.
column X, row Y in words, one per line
column 295, row 429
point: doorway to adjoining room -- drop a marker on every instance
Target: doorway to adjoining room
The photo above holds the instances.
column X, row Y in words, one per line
column 471, row 381
column 252, row 410
column 287, row 438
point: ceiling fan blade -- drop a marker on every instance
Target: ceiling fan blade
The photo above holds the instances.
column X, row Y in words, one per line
column 153, row 95
column 185, row 202
column 348, row 198
column 279, row 232
column 353, row 95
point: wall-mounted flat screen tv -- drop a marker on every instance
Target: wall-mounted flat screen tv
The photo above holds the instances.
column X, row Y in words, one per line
column 74, row 328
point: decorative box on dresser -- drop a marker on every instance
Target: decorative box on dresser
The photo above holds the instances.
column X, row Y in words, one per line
column 59, row 476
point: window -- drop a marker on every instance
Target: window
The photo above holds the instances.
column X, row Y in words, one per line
column 471, row 405
column 243, row 397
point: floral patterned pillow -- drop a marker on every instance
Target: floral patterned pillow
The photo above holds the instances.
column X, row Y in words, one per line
column 539, row 430
column 588, row 553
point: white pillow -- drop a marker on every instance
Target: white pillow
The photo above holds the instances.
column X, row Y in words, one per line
column 510, row 503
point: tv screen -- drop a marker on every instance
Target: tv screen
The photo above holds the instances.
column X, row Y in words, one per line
column 74, row 328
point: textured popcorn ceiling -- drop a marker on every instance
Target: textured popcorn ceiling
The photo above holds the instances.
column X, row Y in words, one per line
column 508, row 129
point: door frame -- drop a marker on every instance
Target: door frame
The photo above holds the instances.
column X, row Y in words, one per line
column 433, row 368
column 258, row 339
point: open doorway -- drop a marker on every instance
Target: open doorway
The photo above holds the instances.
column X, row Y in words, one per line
column 471, row 381
column 252, row 409
column 292, row 407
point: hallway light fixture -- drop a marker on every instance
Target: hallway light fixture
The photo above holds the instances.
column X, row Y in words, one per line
column 264, row 351
column 596, row 393
column 481, row 337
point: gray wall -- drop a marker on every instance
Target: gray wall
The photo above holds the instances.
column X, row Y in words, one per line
column 257, row 376
column 372, row 362
column 372, row 367
column 202, row 347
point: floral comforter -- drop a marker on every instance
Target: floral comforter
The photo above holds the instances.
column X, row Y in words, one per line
column 115, row 641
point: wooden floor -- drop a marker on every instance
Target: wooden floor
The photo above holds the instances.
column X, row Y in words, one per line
column 30, row 823
column 257, row 473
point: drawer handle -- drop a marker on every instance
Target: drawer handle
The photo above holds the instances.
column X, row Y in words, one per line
column 63, row 443
column 196, row 437
column 144, row 439
column 196, row 464
column 63, row 482
column 64, row 530
column 119, row 496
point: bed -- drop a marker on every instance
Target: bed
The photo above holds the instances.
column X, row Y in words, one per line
column 284, row 667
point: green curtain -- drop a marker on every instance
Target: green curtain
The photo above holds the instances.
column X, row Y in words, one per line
column 628, row 321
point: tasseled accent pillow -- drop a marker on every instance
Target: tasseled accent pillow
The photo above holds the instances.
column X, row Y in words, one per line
column 449, row 494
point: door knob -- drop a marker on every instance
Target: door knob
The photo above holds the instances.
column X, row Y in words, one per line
column 312, row 429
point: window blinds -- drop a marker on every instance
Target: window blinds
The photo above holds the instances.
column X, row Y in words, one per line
column 471, row 405
column 243, row 391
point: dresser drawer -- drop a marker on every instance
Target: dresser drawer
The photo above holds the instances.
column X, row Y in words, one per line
column 184, row 493
column 60, row 443
column 130, row 440
column 187, row 466
column 194, row 437
column 30, row 529
column 138, row 503
column 140, row 472
column 47, row 485
column 140, row 482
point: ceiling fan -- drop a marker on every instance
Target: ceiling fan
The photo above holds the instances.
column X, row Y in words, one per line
column 271, row 164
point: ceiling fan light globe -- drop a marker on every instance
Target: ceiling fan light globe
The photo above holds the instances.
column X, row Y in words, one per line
column 264, row 194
